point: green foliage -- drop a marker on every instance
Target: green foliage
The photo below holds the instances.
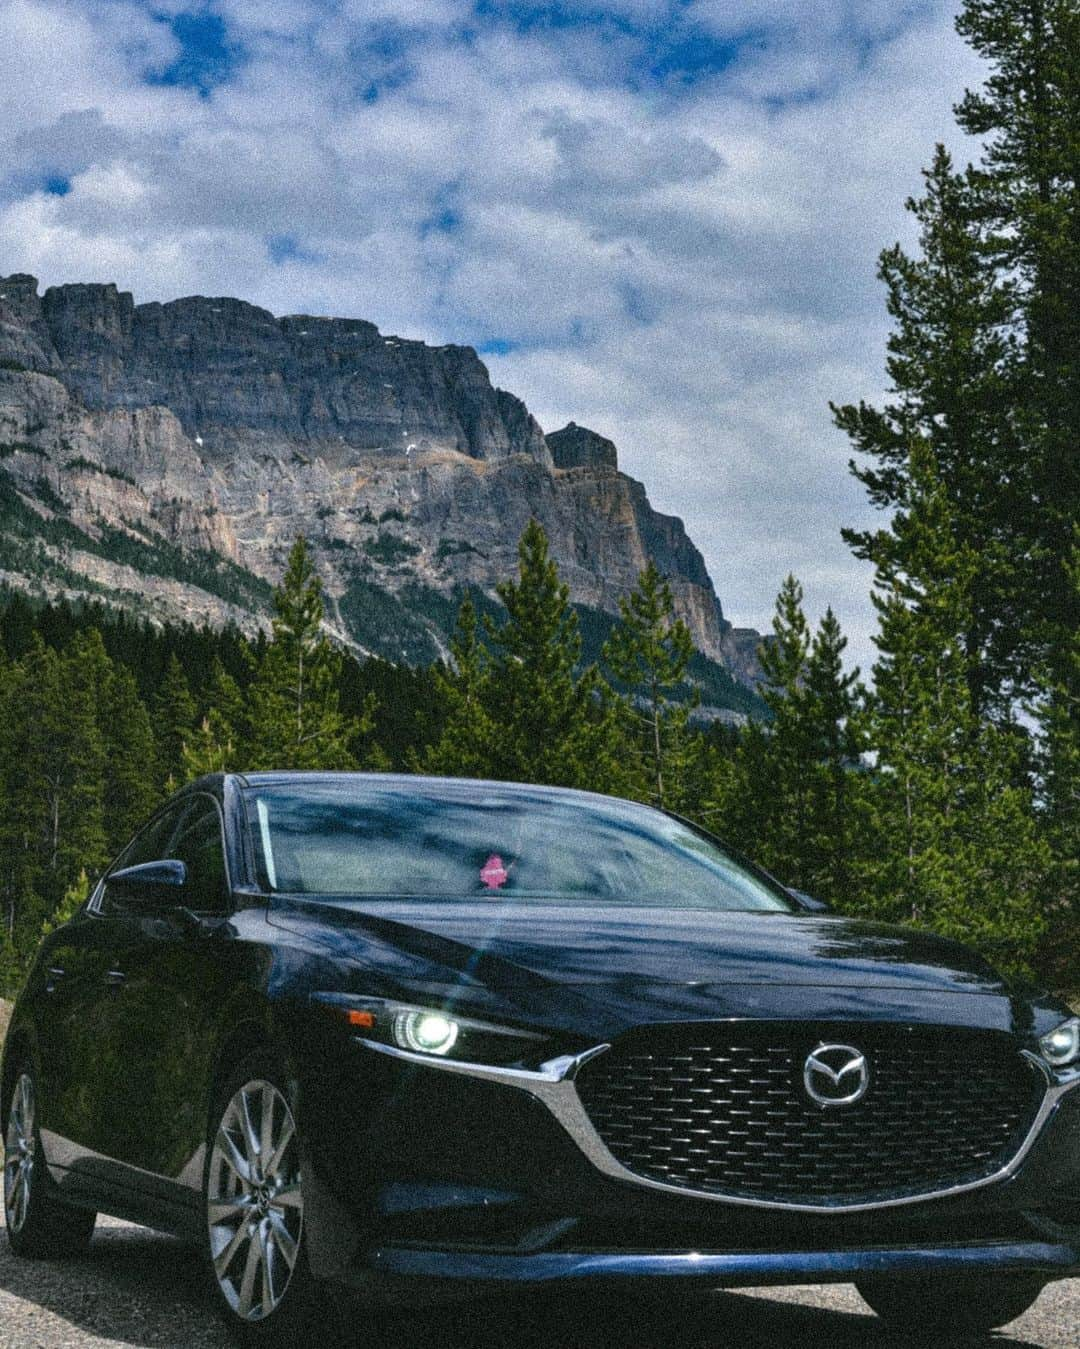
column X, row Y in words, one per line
column 75, row 896
column 953, row 365
column 974, row 458
column 219, row 742
column 452, row 547
column 519, row 708
column 793, row 794
column 92, row 466
column 1057, row 708
column 390, row 549
column 962, row 851
column 296, row 720
column 174, row 718
column 468, row 734
column 648, row 652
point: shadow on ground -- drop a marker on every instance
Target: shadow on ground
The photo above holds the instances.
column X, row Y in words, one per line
column 136, row 1288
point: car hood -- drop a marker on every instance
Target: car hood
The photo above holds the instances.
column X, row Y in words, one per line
column 504, row 946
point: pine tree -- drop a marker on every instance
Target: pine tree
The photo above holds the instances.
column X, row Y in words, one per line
column 839, row 817
column 792, row 796
column 174, row 720
column 1058, row 712
column 1027, row 115
column 296, row 718
column 76, row 763
column 956, row 381
column 789, row 757
column 75, row 896
column 218, row 743
column 648, row 652
column 130, row 791
column 465, row 745
column 32, row 690
column 962, row 852
column 551, row 723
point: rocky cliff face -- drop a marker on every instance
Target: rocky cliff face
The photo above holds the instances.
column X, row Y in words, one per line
column 168, row 454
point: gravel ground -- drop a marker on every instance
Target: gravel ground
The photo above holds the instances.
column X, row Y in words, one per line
column 136, row 1288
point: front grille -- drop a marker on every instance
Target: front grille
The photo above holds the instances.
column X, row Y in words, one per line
column 723, row 1110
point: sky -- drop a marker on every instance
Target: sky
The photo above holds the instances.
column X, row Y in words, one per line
column 657, row 218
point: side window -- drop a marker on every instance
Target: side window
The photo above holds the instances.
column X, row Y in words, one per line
column 198, row 845
column 148, row 846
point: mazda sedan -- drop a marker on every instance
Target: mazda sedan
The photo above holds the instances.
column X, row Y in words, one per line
column 402, row 1038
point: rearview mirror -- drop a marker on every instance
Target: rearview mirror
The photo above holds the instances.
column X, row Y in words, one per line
column 151, row 882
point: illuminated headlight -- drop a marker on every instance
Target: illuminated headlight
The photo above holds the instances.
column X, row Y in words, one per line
column 1062, row 1046
column 429, row 1030
column 425, row 1032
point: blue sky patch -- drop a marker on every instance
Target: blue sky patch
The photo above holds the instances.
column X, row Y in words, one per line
column 287, row 248
column 497, row 346
column 207, row 55
column 56, row 185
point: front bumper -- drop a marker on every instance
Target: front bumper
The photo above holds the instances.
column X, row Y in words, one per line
column 434, row 1180
column 397, row 1274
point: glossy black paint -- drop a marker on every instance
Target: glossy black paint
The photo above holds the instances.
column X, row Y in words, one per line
column 134, row 1010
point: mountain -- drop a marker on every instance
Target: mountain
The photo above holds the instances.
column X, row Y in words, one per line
column 165, row 456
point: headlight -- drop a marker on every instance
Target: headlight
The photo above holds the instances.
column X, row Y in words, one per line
column 430, row 1030
column 426, row 1032
column 1062, row 1046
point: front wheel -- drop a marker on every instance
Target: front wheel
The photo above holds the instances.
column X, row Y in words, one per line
column 38, row 1224
column 957, row 1306
column 256, row 1250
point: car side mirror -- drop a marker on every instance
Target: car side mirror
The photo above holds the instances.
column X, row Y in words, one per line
column 151, row 883
column 808, row 902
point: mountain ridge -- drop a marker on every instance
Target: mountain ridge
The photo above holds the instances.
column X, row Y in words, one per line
column 200, row 436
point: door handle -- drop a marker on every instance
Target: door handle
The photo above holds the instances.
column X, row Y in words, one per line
column 114, row 978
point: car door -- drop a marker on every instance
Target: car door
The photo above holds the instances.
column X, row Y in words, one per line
column 176, row 979
column 75, row 1006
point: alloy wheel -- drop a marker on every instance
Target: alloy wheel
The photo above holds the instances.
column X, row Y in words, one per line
column 254, row 1207
column 19, row 1154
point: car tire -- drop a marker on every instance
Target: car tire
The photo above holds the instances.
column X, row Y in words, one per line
column 960, row 1306
column 255, row 1246
column 39, row 1225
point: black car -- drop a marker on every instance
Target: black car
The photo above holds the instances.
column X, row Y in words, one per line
column 411, row 1037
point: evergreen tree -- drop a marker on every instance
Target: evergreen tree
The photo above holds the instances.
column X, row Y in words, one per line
column 553, row 725
column 296, row 717
column 31, row 695
column 75, row 896
column 1026, row 116
column 961, row 852
column 174, row 720
column 75, row 771
column 1058, row 712
column 840, row 819
column 130, row 791
column 956, row 380
column 465, row 746
column 218, row 744
column 792, row 796
column 648, row 652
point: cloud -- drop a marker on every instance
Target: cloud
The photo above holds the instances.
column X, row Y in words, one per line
column 658, row 217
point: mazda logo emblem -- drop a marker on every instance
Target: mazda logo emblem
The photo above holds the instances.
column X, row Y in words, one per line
column 836, row 1075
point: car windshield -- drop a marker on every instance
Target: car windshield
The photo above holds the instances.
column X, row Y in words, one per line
column 429, row 840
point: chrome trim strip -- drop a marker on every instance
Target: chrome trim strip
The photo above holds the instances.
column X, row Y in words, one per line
column 553, row 1084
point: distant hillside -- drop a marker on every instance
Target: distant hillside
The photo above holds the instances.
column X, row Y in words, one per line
column 165, row 456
